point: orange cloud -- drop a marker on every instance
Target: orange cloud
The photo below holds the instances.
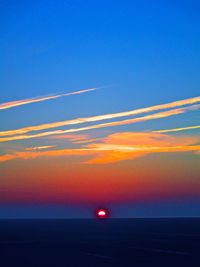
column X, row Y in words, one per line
column 175, row 104
column 124, row 146
column 117, row 147
column 39, row 99
column 49, row 153
column 87, row 141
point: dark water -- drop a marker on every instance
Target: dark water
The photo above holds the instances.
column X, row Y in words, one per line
column 112, row 242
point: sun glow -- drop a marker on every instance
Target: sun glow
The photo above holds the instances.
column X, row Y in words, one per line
column 102, row 213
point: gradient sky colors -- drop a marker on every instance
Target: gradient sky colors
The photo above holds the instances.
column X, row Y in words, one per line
column 100, row 105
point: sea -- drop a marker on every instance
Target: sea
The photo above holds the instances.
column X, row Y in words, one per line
column 134, row 242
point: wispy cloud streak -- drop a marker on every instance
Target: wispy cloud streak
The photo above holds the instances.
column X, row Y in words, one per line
column 102, row 125
column 39, row 148
column 175, row 104
column 177, row 129
column 39, row 99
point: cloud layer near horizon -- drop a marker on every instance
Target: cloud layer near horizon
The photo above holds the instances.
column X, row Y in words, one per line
column 130, row 145
column 118, row 147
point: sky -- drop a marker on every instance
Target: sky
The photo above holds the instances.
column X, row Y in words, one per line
column 100, row 107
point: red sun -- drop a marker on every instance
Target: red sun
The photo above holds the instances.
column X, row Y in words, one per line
column 102, row 213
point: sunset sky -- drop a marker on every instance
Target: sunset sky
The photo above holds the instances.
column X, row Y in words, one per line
column 100, row 107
